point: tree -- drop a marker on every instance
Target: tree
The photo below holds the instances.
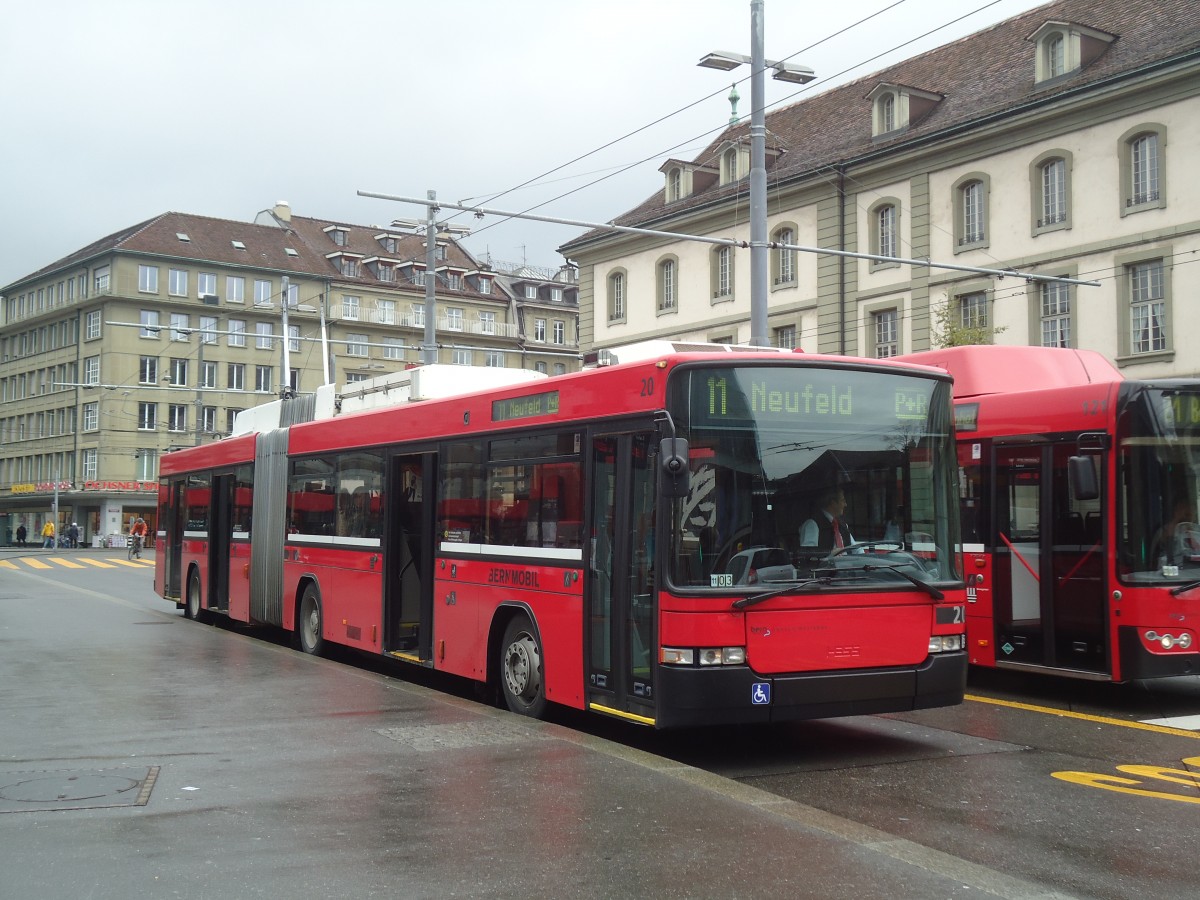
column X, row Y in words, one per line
column 949, row 331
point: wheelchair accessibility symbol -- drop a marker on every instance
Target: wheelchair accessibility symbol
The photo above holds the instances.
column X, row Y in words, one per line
column 760, row 693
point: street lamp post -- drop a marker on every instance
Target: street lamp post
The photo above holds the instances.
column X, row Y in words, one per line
column 759, row 250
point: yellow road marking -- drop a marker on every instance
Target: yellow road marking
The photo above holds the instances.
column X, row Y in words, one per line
column 98, row 563
column 1085, row 717
column 37, row 564
column 130, row 563
column 64, row 562
column 7, row 564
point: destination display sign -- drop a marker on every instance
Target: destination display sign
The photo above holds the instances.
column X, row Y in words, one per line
column 526, row 407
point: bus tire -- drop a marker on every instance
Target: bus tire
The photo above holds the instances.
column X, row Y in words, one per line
column 193, row 609
column 521, row 674
column 311, row 623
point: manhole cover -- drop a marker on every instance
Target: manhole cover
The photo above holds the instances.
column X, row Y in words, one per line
column 29, row 791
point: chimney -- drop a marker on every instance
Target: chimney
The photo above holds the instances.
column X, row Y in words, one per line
column 283, row 212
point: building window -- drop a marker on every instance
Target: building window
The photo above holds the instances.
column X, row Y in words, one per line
column 616, row 296
column 531, row 292
column 1055, row 61
column 349, row 267
column 180, row 327
column 338, row 235
column 460, row 357
column 262, row 292
column 91, row 416
column 485, row 285
column 356, row 344
column 539, row 330
column 385, row 272
column 149, row 319
column 235, row 289
column 350, row 307
column 540, row 367
column 785, row 337
column 783, row 260
column 147, row 465
column 495, row 359
column 237, row 377
column 393, row 348
column 972, row 310
column 147, row 280
column 262, row 379
column 386, row 311
column 417, row 317
column 92, row 327
column 560, row 331
column 887, row 113
column 454, row 281
column 91, row 371
column 388, row 243
column 1147, row 307
column 1143, row 171
column 560, row 368
column 674, row 185
column 1050, row 199
column 177, row 282
column 90, row 467
column 294, row 338
column 722, row 273
column 886, row 333
column 208, row 329
column 206, row 284
column 884, row 235
column 293, row 296
column 208, row 419
column 487, row 323
column 179, row 372
column 454, row 319
column 970, row 212
column 237, row 333
column 147, row 416
column 263, row 334
column 1055, row 314
column 177, row 417
column 231, row 419
column 208, row 374
column 667, row 300
column 729, row 166
column 148, row 370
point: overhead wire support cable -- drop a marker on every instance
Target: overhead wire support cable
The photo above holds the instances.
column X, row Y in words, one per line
column 480, row 211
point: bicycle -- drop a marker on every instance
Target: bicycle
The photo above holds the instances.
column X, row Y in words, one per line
column 135, row 546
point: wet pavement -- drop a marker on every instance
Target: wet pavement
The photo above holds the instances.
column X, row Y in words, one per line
column 142, row 755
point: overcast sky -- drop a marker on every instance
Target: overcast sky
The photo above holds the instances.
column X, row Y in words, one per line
column 115, row 112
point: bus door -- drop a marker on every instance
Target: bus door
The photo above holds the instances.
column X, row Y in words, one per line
column 1049, row 597
column 408, row 582
column 170, row 520
column 220, row 527
column 619, row 590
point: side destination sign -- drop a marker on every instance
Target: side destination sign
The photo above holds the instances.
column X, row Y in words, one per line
column 544, row 404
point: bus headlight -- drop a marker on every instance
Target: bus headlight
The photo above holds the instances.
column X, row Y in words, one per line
column 945, row 643
column 722, row 656
column 676, row 656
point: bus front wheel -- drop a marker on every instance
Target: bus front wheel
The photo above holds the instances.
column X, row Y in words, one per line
column 311, row 640
column 193, row 608
column 521, row 669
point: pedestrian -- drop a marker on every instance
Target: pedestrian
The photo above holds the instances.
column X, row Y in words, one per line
column 73, row 535
column 21, row 534
column 48, row 535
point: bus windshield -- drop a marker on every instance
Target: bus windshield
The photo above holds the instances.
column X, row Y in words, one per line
column 835, row 475
column 1158, row 439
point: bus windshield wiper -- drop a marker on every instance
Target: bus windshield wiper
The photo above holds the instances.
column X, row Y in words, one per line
column 743, row 602
column 1184, row 588
column 923, row 585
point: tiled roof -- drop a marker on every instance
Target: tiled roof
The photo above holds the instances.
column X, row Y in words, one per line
column 985, row 74
column 266, row 247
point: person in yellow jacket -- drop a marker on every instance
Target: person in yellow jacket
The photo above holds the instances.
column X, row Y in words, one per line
column 48, row 535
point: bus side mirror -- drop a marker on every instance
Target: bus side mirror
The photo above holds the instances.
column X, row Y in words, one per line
column 1081, row 476
column 673, row 460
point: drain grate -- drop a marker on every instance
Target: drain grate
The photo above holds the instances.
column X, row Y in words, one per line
column 99, row 789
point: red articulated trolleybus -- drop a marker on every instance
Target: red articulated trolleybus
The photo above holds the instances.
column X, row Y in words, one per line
column 1080, row 541
column 625, row 539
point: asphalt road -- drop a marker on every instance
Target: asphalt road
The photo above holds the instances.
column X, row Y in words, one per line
column 143, row 755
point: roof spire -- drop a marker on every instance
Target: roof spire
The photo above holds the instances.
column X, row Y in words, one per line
column 733, row 102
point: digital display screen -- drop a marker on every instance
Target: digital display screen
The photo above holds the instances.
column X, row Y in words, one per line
column 966, row 416
column 1182, row 409
column 543, row 404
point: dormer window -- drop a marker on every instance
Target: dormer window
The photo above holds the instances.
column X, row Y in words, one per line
column 1064, row 48
column 674, row 185
column 895, row 108
column 485, row 285
column 339, row 235
column 730, row 169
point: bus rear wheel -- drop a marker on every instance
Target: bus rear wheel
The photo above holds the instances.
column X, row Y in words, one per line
column 192, row 609
column 521, row 676
column 310, row 624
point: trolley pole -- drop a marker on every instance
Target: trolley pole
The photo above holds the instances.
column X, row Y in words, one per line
column 429, row 352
